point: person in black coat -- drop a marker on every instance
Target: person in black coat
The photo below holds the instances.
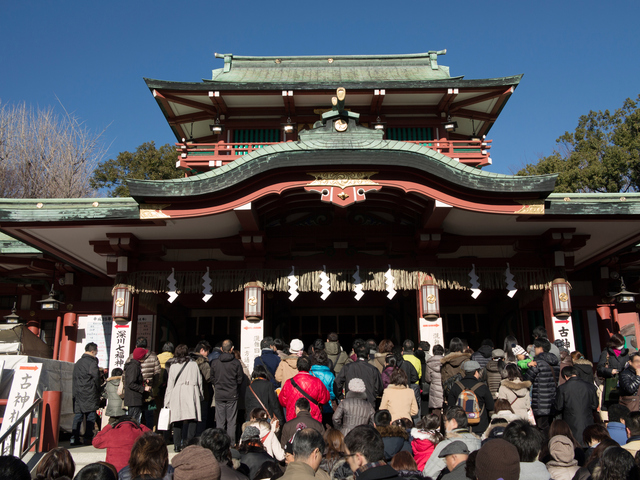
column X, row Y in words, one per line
column 543, row 373
column 612, row 362
column 261, row 390
column 630, row 383
column 473, row 373
column 269, row 359
column 365, row 448
column 227, row 376
column 576, row 400
column 86, row 393
column 360, row 369
column 134, row 387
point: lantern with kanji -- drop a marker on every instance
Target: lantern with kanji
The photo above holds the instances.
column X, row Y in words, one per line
column 428, row 299
column 121, row 302
column 253, row 301
column 560, row 298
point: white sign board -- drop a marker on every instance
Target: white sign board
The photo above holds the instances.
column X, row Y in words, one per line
column 146, row 324
column 563, row 330
column 431, row 331
column 251, row 334
column 21, row 397
column 96, row 329
column 120, row 344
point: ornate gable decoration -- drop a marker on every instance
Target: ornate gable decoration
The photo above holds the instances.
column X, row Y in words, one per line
column 342, row 188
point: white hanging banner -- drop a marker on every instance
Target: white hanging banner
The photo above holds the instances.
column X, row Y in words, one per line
column 171, row 286
column 251, row 334
column 563, row 330
column 511, row 284
column 120, row 344
column 325, row 287
column 96, row 329
column 206, row 286
column 21, row 397
column 357, row 284
column 473, row 280
column 293, row 285
column 391, row 284
column 431, row 331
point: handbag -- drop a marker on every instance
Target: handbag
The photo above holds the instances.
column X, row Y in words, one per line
column 164, row 419
column 120, row 390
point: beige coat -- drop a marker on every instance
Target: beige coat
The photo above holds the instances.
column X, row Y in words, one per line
column 452, row 365
column 287, row 369
column 400, row 401
column 517, row 394
column 379, row 361
column 184, row 395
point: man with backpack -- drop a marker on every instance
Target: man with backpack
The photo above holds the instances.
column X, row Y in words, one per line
column 473, row 396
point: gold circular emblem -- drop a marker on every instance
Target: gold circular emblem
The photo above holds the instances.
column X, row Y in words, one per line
column 119, row 302
column 431, row 299
column 340, row 125
column 563, row 297
column 252, row 301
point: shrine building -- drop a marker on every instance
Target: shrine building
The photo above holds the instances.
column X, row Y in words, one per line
column 348, row 194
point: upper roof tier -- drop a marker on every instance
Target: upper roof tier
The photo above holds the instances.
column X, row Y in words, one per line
column 344, row 69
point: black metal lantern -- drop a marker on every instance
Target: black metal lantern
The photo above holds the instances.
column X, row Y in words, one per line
column 50, row 303
column 13, row 317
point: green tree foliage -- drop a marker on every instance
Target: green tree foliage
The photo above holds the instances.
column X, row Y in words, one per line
column 146, row 163
column 602, row 155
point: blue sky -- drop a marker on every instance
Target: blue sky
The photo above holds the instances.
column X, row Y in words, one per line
column 92, row 56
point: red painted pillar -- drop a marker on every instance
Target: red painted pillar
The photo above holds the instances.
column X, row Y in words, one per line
column 69, row 338
column 34, row 326
column 627, row 317
column 56, row 340
column 547, row 310
column 50, row 424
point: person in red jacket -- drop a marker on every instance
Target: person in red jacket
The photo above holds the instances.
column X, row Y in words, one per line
column 118, row 440
column 304, row 385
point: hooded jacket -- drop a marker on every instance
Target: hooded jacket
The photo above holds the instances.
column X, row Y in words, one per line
column 585, row 369
column 423, row 444
column 435, row 464
column 86, row 384
column 395, row 439
column 517, row 394
column 118, row 439
column 543, row 382
column 287, row 368
column 563, row 465
column 338, row 356
column 226, row 376
column 354, row 410
column 324, row 373
column 432, row 376
column 313, row 386
column 482, row 355
column 452, row 365
column 114, row 402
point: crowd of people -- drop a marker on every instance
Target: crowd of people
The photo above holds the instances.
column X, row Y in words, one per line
column 378, row 411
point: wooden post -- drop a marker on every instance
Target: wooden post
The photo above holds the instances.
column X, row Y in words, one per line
column 34, row 326
column 56, row 340
column 547, row 310
column 50, row 423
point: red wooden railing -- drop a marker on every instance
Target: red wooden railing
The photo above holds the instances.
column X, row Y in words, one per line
column 204, row 156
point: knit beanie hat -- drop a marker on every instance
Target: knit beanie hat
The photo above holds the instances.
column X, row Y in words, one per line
column 195, row 463
column 250, row 432
column 518, row 350
column 498, row 459
column 357, row 385
column 139, row 353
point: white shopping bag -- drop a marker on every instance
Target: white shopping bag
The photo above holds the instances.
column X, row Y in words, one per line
column 164, row 420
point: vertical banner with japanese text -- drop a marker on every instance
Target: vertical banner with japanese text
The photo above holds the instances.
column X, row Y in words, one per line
column 120, row 344
column 96, row 329
column 21, row 397
column 563, row 330
column 251, row 334
column 431, row 331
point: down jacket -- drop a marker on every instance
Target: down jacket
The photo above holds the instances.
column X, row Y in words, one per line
column 118, row 440
column 629, row 381
column 494, row 375
column 313, row 386
column 150, row 366
column 114, row 402
column 86, row 384
column 423, row 444
column 482, row 355
column 353, row 411
column 432, row 375
column 543, row 382
column 452, row 365
column 517, row 394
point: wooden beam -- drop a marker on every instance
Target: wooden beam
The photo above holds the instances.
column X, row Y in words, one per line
column 289, row 103
column 218, row 102
column 376, row 101
column 191, row 103
column 248, row 218
column 480, row 99
column 447, row 98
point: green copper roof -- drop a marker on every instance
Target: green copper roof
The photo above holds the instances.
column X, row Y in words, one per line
column 344, row 69
column 359, row 146
column 9, row 245
column 593, row 204
column 67, row 209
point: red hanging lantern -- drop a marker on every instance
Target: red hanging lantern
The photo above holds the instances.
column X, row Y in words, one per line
column 429, row 299
column 121, row 302
column 253, row 301
column 561, row 298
